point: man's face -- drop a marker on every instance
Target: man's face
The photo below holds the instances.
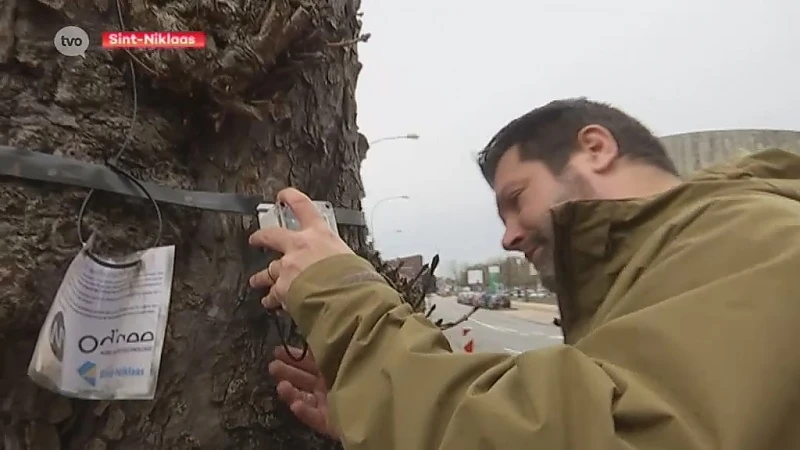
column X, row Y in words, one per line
column 525, row 192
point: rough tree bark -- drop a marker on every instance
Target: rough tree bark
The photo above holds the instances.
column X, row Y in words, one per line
column 269, row 103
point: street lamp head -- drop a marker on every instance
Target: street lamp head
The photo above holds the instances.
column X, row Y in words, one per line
column 412, row 136
column 404, row 197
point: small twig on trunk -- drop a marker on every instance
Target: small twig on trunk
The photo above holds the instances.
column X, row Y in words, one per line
column 430, row 311
column 344, row 43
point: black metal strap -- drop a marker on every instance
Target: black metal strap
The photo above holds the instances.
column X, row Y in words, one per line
column 32, row 165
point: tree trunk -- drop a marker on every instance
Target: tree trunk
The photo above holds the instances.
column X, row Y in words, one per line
column 196, row 128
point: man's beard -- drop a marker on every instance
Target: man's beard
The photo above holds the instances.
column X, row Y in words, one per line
column 572, row 186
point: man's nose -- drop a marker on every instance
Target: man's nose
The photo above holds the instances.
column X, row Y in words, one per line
column 512, row 238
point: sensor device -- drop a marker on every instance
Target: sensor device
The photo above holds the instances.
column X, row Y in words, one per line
column 278, row 215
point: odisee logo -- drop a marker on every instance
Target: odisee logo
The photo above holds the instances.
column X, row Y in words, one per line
column 115, row 338
column 88, row 371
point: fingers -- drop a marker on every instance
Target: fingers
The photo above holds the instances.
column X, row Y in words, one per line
column 302, row 207
column 309, row 415
column 304, row 406
column 267, row 277
column 272, row 300
column 290, row 394
column 297, row 378
column 278, row 239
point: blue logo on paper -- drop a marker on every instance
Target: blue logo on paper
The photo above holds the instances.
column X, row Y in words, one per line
column 122, row 372
column 88, row 371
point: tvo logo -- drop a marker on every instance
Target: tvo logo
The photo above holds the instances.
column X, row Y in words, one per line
column 91, row 343
column 71, row 41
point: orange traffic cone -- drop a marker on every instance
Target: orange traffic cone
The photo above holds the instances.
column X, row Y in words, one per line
column 469, row 346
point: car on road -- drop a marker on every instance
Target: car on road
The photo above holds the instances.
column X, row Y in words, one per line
column 500, row 300
column 477, row 299
column 465, row 298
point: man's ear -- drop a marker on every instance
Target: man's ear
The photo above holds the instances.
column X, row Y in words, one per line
column 599, row 148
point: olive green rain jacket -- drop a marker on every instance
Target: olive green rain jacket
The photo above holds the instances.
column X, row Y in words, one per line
column 681, row 323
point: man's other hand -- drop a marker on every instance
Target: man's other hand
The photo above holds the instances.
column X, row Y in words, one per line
column 301, row 386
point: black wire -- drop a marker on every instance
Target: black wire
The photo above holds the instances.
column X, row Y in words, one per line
column 272, row 314
column 255, row 260
column 276, row 320
column 84, row 243
column 112, row 164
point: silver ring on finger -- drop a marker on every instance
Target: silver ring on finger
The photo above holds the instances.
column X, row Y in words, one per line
column 272, row 277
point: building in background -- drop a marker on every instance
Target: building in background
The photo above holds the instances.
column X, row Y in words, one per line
column 696, row 150
column 411, row 265
column 475, row 277
column 512, row 271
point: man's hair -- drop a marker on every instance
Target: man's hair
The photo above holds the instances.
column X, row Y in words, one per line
column 549, row 134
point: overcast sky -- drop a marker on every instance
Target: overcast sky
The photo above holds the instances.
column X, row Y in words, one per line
column 456, row 71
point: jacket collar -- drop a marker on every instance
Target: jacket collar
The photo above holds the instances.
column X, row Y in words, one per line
column 595, row 239
column 587, row 258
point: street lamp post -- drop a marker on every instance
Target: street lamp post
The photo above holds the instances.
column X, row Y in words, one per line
column 375, row 208
column 412, row 136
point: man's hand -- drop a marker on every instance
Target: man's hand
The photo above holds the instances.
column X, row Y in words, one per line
column 314, row 242
column 302, row 387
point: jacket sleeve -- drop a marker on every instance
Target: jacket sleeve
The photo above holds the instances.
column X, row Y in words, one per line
column 699, row 352
column 395, row 384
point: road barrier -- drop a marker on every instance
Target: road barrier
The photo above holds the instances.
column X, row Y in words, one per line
column 469, row 344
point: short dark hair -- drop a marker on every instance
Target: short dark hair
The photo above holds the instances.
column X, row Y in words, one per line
column 549, row 134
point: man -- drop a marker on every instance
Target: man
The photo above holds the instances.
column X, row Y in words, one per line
column 678, row 302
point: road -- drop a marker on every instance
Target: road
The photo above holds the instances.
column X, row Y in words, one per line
column 495, row 331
